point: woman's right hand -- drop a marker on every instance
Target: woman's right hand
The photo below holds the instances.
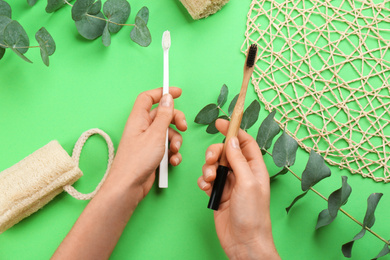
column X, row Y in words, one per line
column 242, row 222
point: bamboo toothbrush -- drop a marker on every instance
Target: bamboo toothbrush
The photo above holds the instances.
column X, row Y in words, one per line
column 163, row 172
column 234, row 126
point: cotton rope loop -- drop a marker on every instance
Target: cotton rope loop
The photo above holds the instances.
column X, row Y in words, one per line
column 324, row 66
column 76, row 157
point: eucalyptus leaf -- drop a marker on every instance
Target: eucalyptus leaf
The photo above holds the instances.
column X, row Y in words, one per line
column 251, row 115
column 80, row 9
column 282, row 172
column 143, row 13
column 295, row 200
column 347, row 247
column 284, row 151
column 95, row 8
column 372, row 203
column 369, row 220
column 16, row 37
column 232, row 105
column 4, row 21
column 5, row 9
column 31, row 2
column 20, row 54
column 324, row 219
column 267, row 131
column 207, row 115
column 90, row 27
column 106, row 37
column 315, row 171
column 54, row 5
column 47, row 41
column 44, row 53
column 385, row 250
column 223, row 95
column 116, row 11
column 337, row 199
column 211, row 129
column 2, row 51
column 140, row 33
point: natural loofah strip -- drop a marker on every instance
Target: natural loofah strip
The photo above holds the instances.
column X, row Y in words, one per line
column 202, row 8
column 34, row 181
column 31, row 183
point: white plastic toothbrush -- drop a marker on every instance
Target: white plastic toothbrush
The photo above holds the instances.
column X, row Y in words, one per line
column 163, row 175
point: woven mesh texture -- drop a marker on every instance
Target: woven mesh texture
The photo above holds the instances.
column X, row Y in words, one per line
column 325, row 67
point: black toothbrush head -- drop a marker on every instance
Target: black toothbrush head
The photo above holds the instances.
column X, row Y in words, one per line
column 252, row 52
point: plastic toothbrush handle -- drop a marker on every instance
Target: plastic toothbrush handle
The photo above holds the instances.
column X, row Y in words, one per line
column 163, row 172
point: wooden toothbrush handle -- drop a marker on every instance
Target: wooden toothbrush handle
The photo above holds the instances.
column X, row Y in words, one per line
column 236, row 118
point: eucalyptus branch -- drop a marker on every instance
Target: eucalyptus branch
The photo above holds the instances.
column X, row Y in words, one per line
column 16, row 39
column 120, row 24
column 340, row 209
column 94, row 19
column 20, row 47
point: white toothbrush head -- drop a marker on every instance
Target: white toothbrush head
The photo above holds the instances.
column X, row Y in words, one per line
column 166, row 40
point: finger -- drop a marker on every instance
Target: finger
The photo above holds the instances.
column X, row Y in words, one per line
column 205, row 186
column 163, row 118
column 175, row 140
column 178, row 120
column 208, row 187
column 249, row 147
column 209, row 172
column 147, row 99
column 213, row 153
column 175, row 159
column 245, row 139
column 238, row 162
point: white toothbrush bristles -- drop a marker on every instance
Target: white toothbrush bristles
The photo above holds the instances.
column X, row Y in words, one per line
column 163, row 172
column 166, row 40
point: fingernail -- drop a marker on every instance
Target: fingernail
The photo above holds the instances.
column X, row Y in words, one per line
column 185, row 122
column 203, row 185
column 234, row 142
column 209, row 154
column 178, row 144
column 166, row 100
column 177, row 161
column 208, row 173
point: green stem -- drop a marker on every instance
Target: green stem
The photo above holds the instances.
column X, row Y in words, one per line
column 343, row 211
column 24, row 47
column 66, row 2
column 120, row 24
column 223, row 112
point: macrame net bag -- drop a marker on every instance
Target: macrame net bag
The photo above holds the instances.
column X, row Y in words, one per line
column 324, row 66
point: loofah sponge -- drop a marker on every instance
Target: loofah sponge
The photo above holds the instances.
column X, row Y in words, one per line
column 203, row 8
column 33, row 182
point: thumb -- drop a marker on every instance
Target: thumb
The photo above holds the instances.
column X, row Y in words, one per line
column 163, row 116
column 237, row 161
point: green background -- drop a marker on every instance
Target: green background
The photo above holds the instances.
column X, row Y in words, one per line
column 88, row 85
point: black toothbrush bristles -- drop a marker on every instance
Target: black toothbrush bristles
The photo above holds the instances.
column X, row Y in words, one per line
column 251, row 55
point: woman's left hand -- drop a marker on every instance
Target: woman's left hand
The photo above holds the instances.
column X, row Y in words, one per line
column 140, row 151
column 142, row 146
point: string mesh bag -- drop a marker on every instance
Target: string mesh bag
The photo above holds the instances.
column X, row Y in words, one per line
column 324, row 66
